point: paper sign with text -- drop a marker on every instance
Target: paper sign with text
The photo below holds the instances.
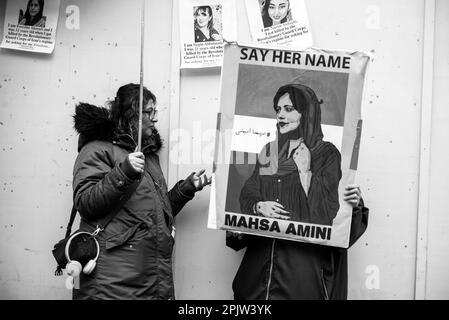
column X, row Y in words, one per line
column 203, row 26
column 30, row 25
column 287, row 142
column 279, row 23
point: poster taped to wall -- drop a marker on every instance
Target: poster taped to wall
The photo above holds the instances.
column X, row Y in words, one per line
column 30, row 25
column 204, row 24
column 282, row 23
column 287, row 144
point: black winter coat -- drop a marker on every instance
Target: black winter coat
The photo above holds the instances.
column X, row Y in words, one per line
column 135, row 259
column 275, row 269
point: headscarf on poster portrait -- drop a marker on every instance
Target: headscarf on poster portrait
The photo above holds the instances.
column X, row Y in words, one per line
column 305, row 185
column 307, row 104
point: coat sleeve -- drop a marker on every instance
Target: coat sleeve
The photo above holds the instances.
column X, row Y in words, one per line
column 237, row 241
column 250, row 193
column 323, row 194
column 359, row 222
column 181, row 193
column 99, row 184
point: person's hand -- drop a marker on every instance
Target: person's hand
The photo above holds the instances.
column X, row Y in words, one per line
column 234, row 234
column 22, row 19
column 200, row 180
column 352, row 195
column 301, row 156
column 272, row 209
column 215, row 36
column 137, row 161
column 40, row 23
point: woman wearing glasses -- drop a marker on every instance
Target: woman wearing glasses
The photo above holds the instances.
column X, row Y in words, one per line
column 109, row 175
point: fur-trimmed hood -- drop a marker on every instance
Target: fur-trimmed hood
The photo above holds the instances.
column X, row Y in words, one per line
column 95, row 123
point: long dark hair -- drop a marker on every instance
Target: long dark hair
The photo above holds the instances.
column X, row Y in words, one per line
column 208, row 9
column 125, row 107
column 32, row 21
column 267, row 21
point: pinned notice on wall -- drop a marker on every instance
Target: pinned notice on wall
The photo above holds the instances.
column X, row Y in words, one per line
column 282, row 23
column 204, row 24
column 30, row 25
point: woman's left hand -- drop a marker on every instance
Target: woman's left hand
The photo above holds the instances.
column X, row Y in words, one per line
column 200, row 180
column 352, row 195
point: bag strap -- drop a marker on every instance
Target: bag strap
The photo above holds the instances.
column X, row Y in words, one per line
column 111, row 216
column 72, row 218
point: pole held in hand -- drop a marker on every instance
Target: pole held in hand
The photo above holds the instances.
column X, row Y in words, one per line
column 142, row 45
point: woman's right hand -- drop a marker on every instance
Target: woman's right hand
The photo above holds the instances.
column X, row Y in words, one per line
column 272, row 209
column 234, row 234
column 302, row 157
column 21, row 16
column 137, row 161
column 215, row 36
column 40, row 24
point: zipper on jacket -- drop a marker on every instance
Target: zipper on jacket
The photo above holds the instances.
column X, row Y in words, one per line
column 271, row 269
column 326, row 295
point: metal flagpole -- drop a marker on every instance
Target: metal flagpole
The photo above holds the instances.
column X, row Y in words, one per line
column 142, row 43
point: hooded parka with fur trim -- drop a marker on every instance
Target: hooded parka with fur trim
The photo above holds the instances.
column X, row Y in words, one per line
column 135, row 260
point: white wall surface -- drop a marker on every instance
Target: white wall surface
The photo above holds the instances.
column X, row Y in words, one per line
column 38, row 145
column 382, row 263
column 437, row 280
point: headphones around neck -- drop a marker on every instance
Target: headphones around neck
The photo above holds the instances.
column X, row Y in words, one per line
column 74, row 267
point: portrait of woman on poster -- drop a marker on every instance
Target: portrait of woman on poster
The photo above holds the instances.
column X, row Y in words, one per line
column 33, row 15
column 297, row 175
column 275, row 12
column 204, row 25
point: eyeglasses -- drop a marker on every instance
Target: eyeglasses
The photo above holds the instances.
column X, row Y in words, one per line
column 150, row 112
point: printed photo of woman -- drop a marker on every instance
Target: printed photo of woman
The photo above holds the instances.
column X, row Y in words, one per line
column 204, row 29
column 296, row 177
column 275, row 12
column 33, row 15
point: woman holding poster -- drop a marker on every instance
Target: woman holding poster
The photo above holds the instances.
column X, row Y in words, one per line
column 296, row 178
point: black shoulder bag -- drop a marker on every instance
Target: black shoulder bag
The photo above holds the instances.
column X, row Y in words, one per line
column 83, row 249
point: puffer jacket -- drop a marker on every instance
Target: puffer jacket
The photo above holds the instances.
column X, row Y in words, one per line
column 135, row 260
column 275, row 269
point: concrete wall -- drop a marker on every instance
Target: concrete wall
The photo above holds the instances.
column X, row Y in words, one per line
column 38, row 145
column 403, row 254
column 395, row 138
column 438, row 238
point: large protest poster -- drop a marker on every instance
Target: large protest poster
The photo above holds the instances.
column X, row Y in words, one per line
column 203, row 26
column 30, row 25
column 281, row 23
column 287, row 144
